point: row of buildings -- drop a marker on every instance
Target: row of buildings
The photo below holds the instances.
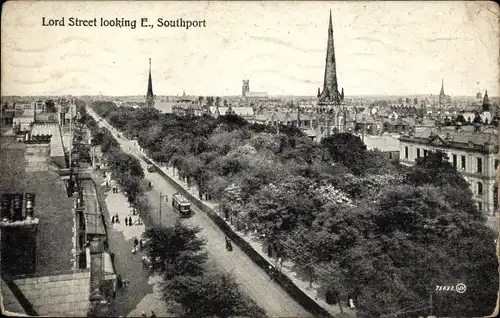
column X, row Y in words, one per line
column 52, row 230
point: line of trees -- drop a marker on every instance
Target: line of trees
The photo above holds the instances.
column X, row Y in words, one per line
column 125, row 169
column 361, row 226
column 189, row 286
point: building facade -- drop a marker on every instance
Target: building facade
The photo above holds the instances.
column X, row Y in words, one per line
column 472, row 150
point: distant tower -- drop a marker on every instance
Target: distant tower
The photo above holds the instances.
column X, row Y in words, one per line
column 150, row 98
column 486, row 102
column 330, row 99
column 245, row 88
column 442, row 96
column 330, row 93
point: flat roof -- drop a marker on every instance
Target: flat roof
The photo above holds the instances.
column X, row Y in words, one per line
column 52, row 207
column 92, row 211
column 56, row 143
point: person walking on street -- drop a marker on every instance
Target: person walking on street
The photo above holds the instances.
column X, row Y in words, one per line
column 153, row 314
column 130, row 221
column 136, row 242
column 126, row 221
column 229, row 247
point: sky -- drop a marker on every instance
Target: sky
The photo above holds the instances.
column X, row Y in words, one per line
column 382, row 48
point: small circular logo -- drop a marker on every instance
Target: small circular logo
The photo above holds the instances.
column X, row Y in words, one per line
column 460, row 288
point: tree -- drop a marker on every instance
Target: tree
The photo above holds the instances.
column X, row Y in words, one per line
column 175, row 250
column 346, row 149
column 212, row 294
column 50, row 106
column 435, row 168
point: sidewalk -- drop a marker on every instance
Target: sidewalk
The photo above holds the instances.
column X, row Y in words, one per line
column 140, row 295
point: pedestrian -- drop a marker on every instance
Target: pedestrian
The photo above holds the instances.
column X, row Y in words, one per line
column 113, row 219
column 150, row 184
column 351, row 303
column 136, row 242
column 229, row 247
column 117, row 219
column 130, row 221
column 126, row 221
column 153, row 314
column 140, row 244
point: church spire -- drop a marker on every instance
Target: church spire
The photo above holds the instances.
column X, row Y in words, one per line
column 442, row 96
column 149, row 95
column 330, row 92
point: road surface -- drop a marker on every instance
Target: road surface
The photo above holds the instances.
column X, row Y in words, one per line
column 251, row 278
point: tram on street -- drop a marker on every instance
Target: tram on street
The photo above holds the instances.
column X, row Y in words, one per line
column 181, row 205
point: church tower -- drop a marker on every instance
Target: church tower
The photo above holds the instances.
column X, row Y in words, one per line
column 330, row 93
column 150, row 98
column 331, row 113
column 486, row 102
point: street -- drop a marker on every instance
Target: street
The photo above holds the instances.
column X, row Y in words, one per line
column 252, row 279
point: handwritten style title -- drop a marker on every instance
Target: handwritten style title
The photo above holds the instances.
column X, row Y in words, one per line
column 122, row 23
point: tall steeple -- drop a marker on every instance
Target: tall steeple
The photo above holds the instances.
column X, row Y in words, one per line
column 330, row 93
column 442, row 96
column 150, row 98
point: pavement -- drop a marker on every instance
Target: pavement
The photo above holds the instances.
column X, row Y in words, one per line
column 252, row 279
column 140, row 295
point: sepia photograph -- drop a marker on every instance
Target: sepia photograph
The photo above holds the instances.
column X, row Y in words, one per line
column 249, row 159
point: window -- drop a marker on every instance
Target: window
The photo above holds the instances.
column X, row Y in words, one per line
column 463, row 162
column 479, row 165
column 479, row 188
column 406, row 152
column 418, row 152
column 454, row 161
column 425, row 153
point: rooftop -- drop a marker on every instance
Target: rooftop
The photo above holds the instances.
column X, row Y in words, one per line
column 453, row 137
column 94, row 221
column 382, row 143
column 64, row 295
column 52, row 205
column 56, row 143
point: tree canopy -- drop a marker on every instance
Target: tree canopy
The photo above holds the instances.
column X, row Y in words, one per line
column 357, row 223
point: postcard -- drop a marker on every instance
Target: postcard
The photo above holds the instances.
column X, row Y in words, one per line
column 249, row 158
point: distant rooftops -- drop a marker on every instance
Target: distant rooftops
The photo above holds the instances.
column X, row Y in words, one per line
column 479, row 138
